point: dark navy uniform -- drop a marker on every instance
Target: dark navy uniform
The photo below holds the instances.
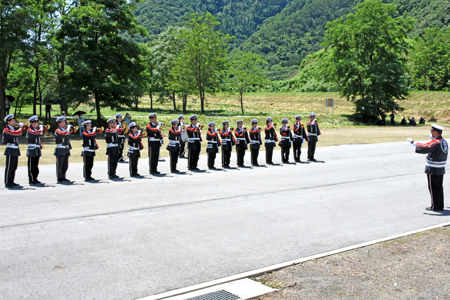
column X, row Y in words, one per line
column 88, row 153
column 270, row 142
column 34, row 153
column 299, row 134
column 437, row 150
column 313, row 133
column 155, row 139
column 134, row 151
column 62, row 153
column 285, row 143
column 174, row 148
column 112, row 150
column 10, row 138
column 242, row 139
column 194, row 146
column 255, row 144
column 227, row 145
column 213, row 147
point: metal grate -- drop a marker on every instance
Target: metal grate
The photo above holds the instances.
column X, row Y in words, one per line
column 219, row 295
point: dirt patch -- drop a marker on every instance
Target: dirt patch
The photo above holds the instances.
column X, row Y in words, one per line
column 412, row 267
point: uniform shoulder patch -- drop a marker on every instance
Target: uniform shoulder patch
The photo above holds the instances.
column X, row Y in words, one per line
column 444, row 146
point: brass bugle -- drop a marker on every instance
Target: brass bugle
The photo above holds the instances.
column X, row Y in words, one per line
column 274, row 125
column 245, row 128
column 47, row 127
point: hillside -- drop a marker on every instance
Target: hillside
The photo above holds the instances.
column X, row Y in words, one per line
column 238, row 18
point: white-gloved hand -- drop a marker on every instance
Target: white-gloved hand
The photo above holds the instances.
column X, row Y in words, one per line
column 20, row 124
column 139, row 132
column 410, row 140
column 69, row 127
column 314, row 122
column 95, row 129
column 41, row 127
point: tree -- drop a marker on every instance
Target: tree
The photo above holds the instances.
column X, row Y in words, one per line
column 102, row 63
column 245, row 72
column 203, row 59
column 369, row 52
column 431, row 60
column 14, row 25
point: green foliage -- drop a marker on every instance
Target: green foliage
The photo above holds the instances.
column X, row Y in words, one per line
column 368, row 50
column 246, row 72
column 202, row 61
column 430, row 60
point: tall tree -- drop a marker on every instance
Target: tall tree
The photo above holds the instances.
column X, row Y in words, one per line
column 246, row 72
column 431, row 60
column 15, row 22
column 369, row 51
column 204, row 56
column 102, row 63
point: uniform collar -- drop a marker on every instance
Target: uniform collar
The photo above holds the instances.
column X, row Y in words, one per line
column 9, row 126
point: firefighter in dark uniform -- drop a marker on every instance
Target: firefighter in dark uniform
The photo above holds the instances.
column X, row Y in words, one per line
column 62, row 150
column 213, row 144
column 10, row 138
column 227, row 144
column 112, row 148
column 255, row 142
column 313, row 136
column 121, row 136
column 89, row 147
column 437, row 150
column 242, row 140
column 174, row 146
column 270, row 140
column 34, row 134
column 155, row 140
column 285, row 143
column 134, row 149
column 299, row 134
column 182, row 142
column 194, row 143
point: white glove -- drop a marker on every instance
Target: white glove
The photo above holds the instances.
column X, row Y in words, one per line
column 41, row 127
column 20, row 124
column 314, row 121
column 410, row 140
column 139, row 132
column 95, row 129
column 68, row 127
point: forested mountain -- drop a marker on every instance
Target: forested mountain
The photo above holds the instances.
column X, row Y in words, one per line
column 239, row 18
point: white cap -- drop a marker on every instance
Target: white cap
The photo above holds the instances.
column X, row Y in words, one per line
column 437, row 127
column 9, row 117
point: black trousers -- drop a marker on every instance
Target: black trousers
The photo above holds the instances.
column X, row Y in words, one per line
column 269, row 153
column 173, row 160
column 133, row 161
column 392, row 122
column 121, row 143
column 211, row 159
column 297, row 150
column 47, row 114
column 193, row 156
column 182, row 147
column 88, row 165
column 226, row 155
column 62, row 164
column 311, row 149
column 153, row 156
column 33, row 168
column 254, row 156
column 240, row 153
column 112, row 164
column 285, row 149
column 436, row 191
column 10, row 168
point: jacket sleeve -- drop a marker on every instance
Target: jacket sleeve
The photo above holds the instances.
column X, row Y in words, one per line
column 427, row 147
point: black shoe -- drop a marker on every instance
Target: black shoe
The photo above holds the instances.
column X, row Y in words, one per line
column 113, row 176
column 174, row 171
column 89, row 179
column 212, row 168
column 65, row 180
column 15, row 184
column 429, row 208
column 196, row 169
column 135, row 175
column 37, row 182
column 9, row 186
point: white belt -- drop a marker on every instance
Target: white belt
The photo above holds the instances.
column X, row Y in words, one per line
column 194, row 139
column 285, row 137
column 152, row 139
column 173, row 142
column 61, row 146
column 33, row 146
column 240, row 139
column 270, row 141
column 254, row 142
column 120, row 135
column 88, row 149
column 435, row 166
column 312, row 134
column 111, row 145
column 212, row 142
column 298, row 136
column 132, row 148
column 13, row 146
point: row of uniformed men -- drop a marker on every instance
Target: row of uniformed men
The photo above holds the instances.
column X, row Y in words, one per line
column 114, row 133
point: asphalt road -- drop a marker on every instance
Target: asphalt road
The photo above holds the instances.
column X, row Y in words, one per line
column 138, row 237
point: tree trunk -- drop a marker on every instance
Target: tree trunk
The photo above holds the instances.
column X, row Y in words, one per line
column 184, row 97
column 97, row 106
column 150, row 94
column 40, row 99
column 136, row 102
column 17, row 99
column 2, row 94
column 174, row 103
column 242, row 102
column 202, row 100
column 36, row 79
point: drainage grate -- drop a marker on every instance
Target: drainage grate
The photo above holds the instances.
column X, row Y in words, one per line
column 219, row 295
